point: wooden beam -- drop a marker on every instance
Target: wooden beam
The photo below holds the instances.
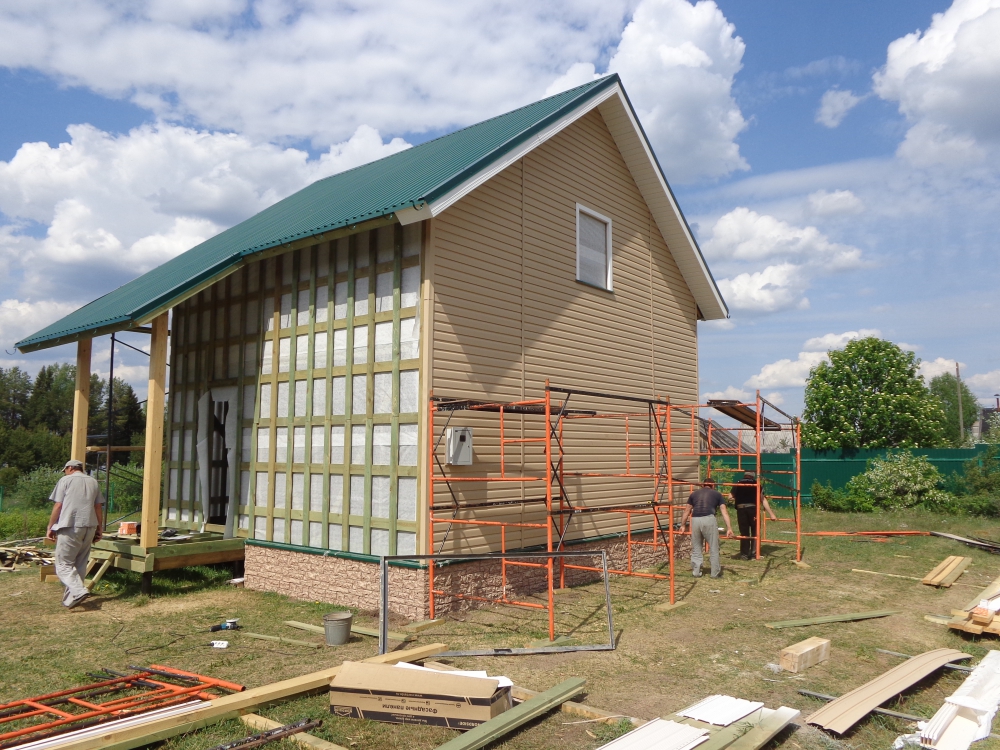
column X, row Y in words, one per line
column 153, row 460
column 81, row 400
column 499, row 726
column 832, row 618
column 231, row 706
column 304, row 740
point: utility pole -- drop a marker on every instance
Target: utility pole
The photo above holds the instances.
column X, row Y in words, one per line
column 961, row 414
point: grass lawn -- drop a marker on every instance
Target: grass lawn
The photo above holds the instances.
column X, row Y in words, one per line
column 664, row 661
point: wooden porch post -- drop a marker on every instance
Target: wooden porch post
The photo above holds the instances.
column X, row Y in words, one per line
column 81, row 400
column 153, row 463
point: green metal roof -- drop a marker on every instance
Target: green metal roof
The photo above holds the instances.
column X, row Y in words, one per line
column 407, row 179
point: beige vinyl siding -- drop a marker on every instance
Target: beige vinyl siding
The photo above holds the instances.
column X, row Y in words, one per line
column 509, row 314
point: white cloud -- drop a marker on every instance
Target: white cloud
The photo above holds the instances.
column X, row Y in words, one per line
column 311, row 70
column 939, row 366
column 946, row 80
column 786, row 373
column 909, row 347
column 743, row 238
column 731, row 393
column 838, row 340
column 776, row 397
column 835, row 203
column 577, row 75
column 835, row 105
column 678, row 61
column 777, row 287
column 126, row 203
column 984, row 384
column 19, row 318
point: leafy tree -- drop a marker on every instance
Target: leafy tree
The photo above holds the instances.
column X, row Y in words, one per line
column 15, row 389
column 869, row 396
column 944, row 387
column 51, row 402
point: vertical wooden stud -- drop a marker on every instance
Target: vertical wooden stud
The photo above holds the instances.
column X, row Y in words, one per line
column 153, row 463
column 81, row 400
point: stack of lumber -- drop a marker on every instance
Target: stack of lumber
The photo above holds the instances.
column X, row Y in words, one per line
column 23, row 556
column 947, row 572
column 979, row 615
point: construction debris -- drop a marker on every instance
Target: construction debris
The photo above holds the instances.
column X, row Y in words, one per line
column 279, row 639
column 967, row 715
column 804, row 654
column 984, row 544
column 45, row 717
column 979, row 615
column 844, row 712
column 396, row 695
column 21, row 557
column 883, row 711
column 302, row 739
column 271, row 735
column 750, row 732
column 660, row 733
column 720, row 710
column 157, row 729
column 832, row 618
column 947, row 572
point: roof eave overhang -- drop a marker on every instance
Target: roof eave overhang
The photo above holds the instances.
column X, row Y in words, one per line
column 641, row 161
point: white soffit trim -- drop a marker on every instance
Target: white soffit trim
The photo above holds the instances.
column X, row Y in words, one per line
column 641, row 162
column 427, row 211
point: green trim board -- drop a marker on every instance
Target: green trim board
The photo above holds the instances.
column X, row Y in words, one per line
column 832, row 618
column 499, row 726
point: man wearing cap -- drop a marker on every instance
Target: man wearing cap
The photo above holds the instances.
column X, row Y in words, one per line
column 701, row 506
column 744, row 494
column 76, row 523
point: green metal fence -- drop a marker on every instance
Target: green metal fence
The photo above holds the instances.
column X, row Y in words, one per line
column 837, row 467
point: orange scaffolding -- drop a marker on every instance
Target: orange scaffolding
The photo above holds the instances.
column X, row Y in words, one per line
column 669, row 442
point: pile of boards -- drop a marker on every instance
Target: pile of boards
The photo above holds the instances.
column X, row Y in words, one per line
column 979, row 615
column 947, row 572
column 19, row 557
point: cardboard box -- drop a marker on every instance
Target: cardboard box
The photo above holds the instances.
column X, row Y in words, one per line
column 383, row 692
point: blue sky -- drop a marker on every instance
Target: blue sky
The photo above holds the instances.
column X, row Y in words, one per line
column 840, row 175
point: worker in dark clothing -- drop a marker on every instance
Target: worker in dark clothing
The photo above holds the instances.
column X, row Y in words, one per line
column 744, row 494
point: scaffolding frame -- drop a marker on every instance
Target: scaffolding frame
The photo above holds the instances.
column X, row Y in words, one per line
column 664, row 446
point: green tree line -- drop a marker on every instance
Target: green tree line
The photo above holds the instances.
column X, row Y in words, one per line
column 36, row 418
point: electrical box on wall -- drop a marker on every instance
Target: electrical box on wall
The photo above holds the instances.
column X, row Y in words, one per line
column 459, row 446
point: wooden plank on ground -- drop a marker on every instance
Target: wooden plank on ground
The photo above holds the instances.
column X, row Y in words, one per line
column 847, row 710
column 832, row 618
column 987, row 593
column 279, row 639
column 939, row 570
column 304, row 740
column 955, row 573
column 232, row 706
column 416, row 627
column 502, row 725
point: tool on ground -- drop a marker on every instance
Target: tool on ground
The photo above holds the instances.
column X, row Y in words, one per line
column 256, row 740
column 231, row 624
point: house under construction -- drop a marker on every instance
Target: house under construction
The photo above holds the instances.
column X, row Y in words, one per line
column 427, row 353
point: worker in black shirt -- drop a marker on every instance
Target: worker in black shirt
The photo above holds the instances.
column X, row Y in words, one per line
column 701, row 506
column 744, row 494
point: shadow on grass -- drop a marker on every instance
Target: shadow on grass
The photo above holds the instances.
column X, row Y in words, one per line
column 124, row 584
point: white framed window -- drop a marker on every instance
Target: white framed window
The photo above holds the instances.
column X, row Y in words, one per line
column 593, row 248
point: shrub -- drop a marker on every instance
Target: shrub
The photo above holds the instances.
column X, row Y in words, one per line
column 838, row 501
column 899, row 480
column 33, row 489
column 982, row 473
column 23, row 524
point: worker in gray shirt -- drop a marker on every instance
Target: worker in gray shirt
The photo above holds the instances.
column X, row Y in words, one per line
column 701, row 506
column 76, row 522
